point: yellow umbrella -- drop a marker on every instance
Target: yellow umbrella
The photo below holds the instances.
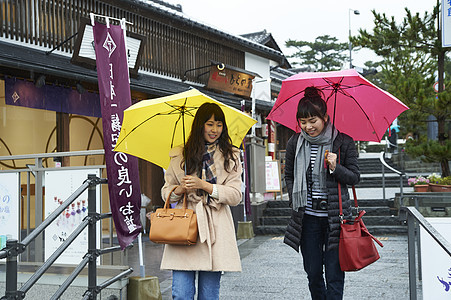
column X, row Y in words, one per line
column 152, row 127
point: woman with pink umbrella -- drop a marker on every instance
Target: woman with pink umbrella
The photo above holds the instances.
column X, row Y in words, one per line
column 316, row 159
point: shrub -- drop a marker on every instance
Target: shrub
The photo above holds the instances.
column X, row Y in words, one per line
column 445, row 180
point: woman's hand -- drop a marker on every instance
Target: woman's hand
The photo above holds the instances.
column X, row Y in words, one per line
column 331, row 159
column 180, row 190
column 193, row 182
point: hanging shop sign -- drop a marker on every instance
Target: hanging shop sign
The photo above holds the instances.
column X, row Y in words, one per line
column 85, row 55
column 229, row 79
column 51, row 97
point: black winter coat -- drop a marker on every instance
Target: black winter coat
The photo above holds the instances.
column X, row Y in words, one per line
column 346, row 171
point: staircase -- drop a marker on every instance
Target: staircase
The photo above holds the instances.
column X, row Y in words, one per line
column 371, row 174
column 381, row 217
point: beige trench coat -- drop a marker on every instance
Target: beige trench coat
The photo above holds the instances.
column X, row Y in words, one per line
column 216, row 248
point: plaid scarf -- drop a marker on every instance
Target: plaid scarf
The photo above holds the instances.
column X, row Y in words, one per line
column 208, row 165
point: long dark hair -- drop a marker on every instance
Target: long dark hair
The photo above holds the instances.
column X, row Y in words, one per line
column 195, row 146
column 312, row 105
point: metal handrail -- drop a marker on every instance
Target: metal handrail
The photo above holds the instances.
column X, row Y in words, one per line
column 14, row 248
column 48, row 263
column 382, row 159
column 400, row 173
column 72, row 277
column 37, row 170
column 411, row 215
column 53, row 154
column 429, row 228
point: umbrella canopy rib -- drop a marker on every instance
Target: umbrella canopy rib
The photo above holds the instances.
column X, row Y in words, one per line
column 339, row 88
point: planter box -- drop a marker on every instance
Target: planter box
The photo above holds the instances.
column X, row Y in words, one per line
column 440, row 188
column 421, row 188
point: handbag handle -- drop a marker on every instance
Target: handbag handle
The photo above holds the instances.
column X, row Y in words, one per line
column 340, row 200
column 166, row 203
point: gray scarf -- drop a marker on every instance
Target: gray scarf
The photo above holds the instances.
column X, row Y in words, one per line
column 302, row 161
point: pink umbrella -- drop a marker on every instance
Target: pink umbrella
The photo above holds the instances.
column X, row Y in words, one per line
column 357, row 107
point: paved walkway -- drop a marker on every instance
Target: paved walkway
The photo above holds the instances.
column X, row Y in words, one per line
column 272, row 270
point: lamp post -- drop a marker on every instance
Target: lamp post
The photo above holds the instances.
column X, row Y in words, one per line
column 356, row 12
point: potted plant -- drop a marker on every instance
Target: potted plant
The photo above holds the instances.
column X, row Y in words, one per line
column 419, row 183
column 443, row 184
column 434, row 178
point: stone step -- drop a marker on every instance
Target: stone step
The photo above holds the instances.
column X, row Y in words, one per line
column 376, row 181
column 370, row 210
column 277, row 204
column 375, row 211
column 361, row 202
column 374, row 164
column 376, row 230
column 277, row 211
column 381, row 221
column 270, row 230
column 275, row 220
column 367, row 219
column 374, row 202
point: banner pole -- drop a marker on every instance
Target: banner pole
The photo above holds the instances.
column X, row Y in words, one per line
column 142, row 269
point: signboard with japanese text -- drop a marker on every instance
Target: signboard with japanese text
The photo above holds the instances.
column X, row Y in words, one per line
column 115, row 97
column 446, row 23
column 272, row 176
column 59, row 185
column 9, row 207
column 229, row 80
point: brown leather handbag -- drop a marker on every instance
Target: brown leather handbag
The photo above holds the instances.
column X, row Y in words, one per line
column 175, row 226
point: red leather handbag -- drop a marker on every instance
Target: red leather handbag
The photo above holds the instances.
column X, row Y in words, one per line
column 356, row 246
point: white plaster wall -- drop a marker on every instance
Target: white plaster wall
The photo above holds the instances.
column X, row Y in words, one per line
column 261, row 66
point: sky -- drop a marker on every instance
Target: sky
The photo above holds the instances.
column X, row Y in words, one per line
column 299, row 19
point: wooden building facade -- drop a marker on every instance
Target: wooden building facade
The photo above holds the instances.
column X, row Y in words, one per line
column 37, row 43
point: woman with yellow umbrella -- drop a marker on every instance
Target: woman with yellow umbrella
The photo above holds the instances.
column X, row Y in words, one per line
column 208, row 170
column 153, row 128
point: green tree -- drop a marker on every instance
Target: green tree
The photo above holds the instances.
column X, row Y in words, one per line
column 410, row 53
column 324, row 54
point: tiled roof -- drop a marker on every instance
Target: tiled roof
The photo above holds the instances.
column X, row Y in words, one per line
column 175, row 11
column 261, row 37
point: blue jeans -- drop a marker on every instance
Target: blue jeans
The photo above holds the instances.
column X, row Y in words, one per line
column 183, row 285
column 315, row 232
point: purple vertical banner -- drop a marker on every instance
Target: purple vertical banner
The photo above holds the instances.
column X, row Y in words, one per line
column 115, row 97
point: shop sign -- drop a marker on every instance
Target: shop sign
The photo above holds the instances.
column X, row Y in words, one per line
column 51, row 97
column 229, row 80
column 115, row 97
